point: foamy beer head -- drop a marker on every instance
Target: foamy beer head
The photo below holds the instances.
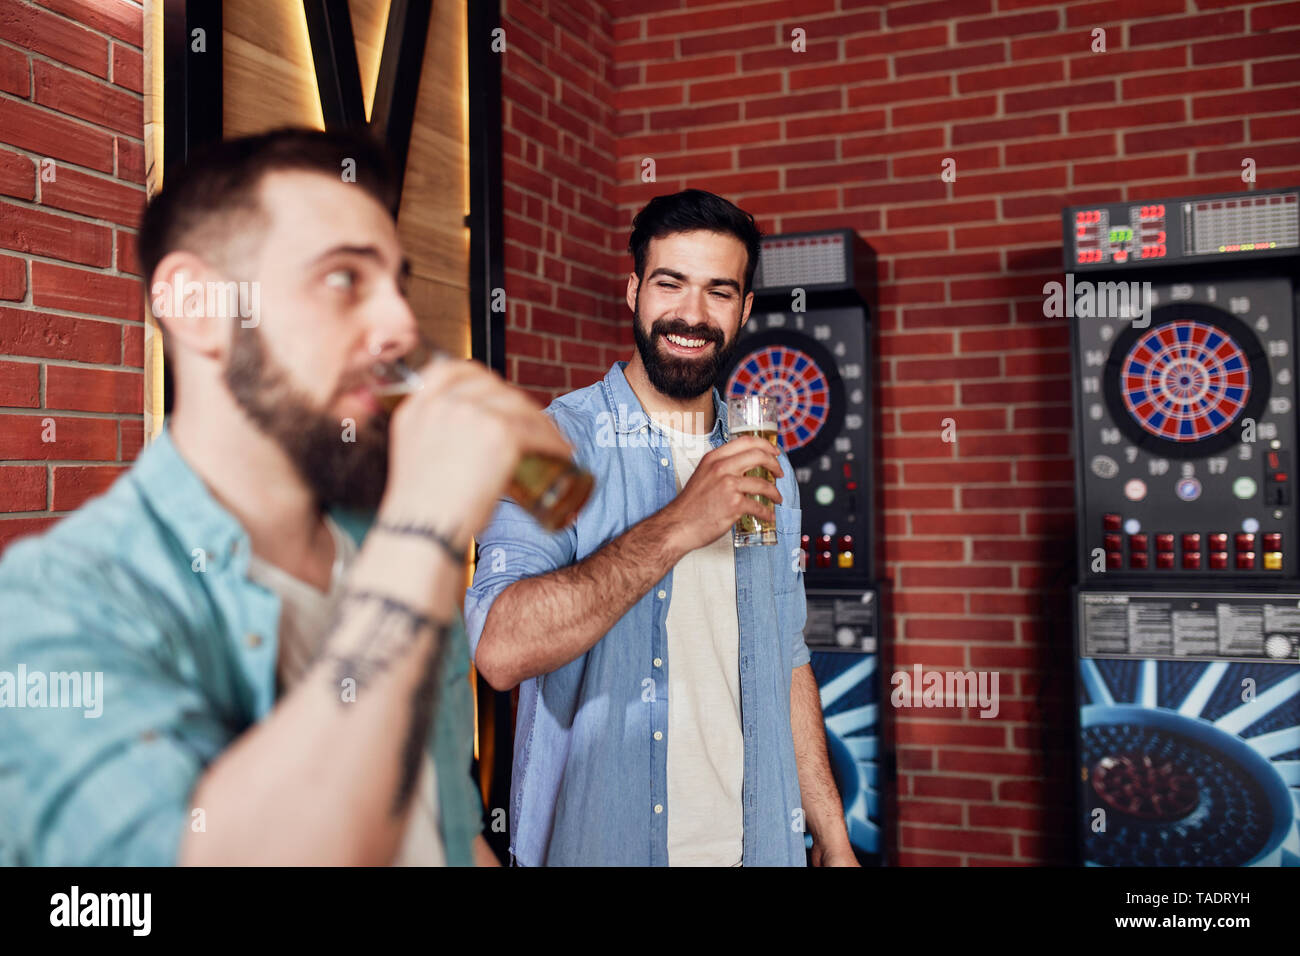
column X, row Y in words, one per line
column 766, row 430
column 752, row 414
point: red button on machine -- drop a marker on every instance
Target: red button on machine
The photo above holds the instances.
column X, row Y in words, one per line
column 824, row 543
column 823, row 559
column 1273, row 541
column 1218, row 560
column 1164, row 542
column 1165, row 559
column 1244, row 541
column 1137, row 542
column 804, row 541
column 1245, row 560
column 1191, row 542
column 846, row 542
column 1219, row 542
column 1114, row 560
column 1111, row 522
column 1138, row 559
column 1111, row 542
column 1192, row 560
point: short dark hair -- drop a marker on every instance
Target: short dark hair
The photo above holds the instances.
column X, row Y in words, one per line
column 688, row 211
column 221, row 183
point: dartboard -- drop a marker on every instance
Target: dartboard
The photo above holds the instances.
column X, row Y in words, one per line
column 1185, row 380
column 802, row 377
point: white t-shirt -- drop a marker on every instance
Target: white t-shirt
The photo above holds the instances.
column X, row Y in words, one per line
column 706, row 758
column 305, row 616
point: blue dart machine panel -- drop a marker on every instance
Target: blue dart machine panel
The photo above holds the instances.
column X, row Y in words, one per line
column 1187, row 605
column 808, row 342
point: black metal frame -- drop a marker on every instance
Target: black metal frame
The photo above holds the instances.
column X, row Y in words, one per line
column 338, row 77
column 485, row 219
column 334, row 57
column 193, row 113
column 487, row 328
column 393, row 115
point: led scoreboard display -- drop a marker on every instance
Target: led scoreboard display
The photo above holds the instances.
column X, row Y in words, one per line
column 1119, row 234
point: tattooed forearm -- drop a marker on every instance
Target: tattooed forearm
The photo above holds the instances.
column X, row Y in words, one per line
column 391, row 629
column 424, row 702
column 373, row 632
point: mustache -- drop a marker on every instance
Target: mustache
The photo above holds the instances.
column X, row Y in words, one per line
column 684, row 328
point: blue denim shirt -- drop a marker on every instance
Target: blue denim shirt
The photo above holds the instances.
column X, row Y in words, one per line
column 588, row 773
column 188, row 662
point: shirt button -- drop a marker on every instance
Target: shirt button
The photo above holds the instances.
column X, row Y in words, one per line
column 659, row 662
column 662, row 595
column 253, row 641
column 659, row 808
column 664, row 462
column 659, row 735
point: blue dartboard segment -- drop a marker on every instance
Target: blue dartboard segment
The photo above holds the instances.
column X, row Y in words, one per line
column 794, row 379
column 1185, row 381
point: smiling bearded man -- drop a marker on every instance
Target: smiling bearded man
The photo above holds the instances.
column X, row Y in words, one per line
column 618, row 759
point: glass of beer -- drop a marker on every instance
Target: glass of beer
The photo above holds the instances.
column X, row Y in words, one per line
column 550, row 489
column 753, row 415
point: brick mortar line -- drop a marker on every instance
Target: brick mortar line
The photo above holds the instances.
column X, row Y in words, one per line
column 107, row 36
column 66, row 363
column 49, row 494
column 70, row 413
column 66, row 313
column 38, row 57
column 89, row 124
column 76, row 167
column 110, row 270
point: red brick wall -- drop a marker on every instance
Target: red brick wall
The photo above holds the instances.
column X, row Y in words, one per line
column 853, row 132
column 565, row 310
column 71, row 190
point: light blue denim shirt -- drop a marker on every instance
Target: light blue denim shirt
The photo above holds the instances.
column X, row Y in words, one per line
column 188, row 663
column 588, row 772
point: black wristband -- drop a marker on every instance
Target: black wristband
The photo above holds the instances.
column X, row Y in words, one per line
column 427, row 532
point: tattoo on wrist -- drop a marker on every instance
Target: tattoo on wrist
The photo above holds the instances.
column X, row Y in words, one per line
column 456, row 552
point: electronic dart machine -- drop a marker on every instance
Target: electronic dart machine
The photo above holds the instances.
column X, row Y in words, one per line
column 808, row 342
column 1188, row 601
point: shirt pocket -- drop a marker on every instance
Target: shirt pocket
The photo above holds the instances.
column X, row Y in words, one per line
column 786, row 572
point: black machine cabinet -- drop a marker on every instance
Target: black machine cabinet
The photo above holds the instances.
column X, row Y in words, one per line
column 1187, row 610
column 808, row 342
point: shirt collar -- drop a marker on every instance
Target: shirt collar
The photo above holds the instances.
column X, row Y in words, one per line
column 180, row 498
column 630, row 416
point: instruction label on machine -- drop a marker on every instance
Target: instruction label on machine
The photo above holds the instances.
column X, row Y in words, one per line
column 1190, row 625
column 839, row 620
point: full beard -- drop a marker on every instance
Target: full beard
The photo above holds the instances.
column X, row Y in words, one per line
column 349, row 474
column 676, row 376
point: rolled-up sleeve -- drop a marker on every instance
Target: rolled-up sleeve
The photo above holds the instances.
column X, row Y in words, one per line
column 512, row 547
column 107, row 782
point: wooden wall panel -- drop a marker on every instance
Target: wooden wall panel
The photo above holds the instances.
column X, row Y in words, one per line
column 269, row 81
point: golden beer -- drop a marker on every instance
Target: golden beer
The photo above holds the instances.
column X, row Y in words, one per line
column 754, row 415
column 550, row 489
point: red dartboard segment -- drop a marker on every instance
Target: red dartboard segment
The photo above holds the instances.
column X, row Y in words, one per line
column 798, row 384
column 1185, row 381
